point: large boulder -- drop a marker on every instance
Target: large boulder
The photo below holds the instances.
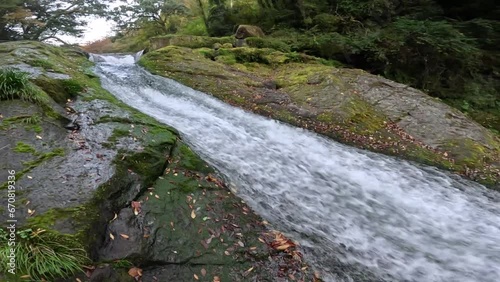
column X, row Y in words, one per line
column 245, row 31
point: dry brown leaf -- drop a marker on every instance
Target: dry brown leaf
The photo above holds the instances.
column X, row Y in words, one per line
column 115, row 217
column 136, row 206
column 135, row 272
column 262, row 240
column 78, row 280
column 31, row 212
column 216, row 279
column 157, row 197
column 226, row 253
column 193, row 214
column 111, row 236
column 124, row 236
column 283, row 247
column 203, row 272
column 196, row 277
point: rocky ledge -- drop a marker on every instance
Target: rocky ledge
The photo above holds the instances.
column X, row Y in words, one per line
column 116, row 195
column 348, row 105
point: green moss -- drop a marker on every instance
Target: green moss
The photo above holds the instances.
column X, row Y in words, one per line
column 190, row 161
column 467, row 152
column 259, row 42
column 31, row 122
column 363, row 117
column 24, row 148
column 188, row 41
column 293, row 74
column 60, row 89
column 49, row 218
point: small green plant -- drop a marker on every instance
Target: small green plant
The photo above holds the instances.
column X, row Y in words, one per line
column 43, row 254
column 34, row 119
column 16, row 85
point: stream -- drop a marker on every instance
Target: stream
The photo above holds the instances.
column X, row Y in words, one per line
column 355, row 213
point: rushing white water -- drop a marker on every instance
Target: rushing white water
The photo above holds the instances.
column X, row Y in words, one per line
column 357, row 214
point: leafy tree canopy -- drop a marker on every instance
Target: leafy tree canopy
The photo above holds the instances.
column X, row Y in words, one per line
column 47, row 19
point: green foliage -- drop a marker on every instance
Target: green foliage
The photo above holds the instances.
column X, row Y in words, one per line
column 162, row 16
column 43, row 254
column 43, row 20
column 194, row 27
column 218, row 21
column 16, row 85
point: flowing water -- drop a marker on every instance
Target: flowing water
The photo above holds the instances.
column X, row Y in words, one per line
column 356, row 214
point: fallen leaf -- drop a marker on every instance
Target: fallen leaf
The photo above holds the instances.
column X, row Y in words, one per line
column 262, row 240
column 115, row 217
column 195, row 276
column 29, row 177
column 193, row 214
column 25, row 277
column 124, row 236
column 135, row 272
column 31, row 212
column 216, row 279
column 136, row 206
column 283, row 247
column 241, row 244
column 203, row 272
column 27, row 203
column 111, row 236
column 39, row 137
column 157, row 197
column 78, row 280
column 227, row 253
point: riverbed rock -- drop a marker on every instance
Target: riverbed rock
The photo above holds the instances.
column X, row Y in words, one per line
column 349, row 105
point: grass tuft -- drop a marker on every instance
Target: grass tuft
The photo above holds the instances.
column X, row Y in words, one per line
column 16, row 85
column 43, row 254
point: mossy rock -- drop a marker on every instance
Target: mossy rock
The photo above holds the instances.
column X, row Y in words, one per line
column 189, row 41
